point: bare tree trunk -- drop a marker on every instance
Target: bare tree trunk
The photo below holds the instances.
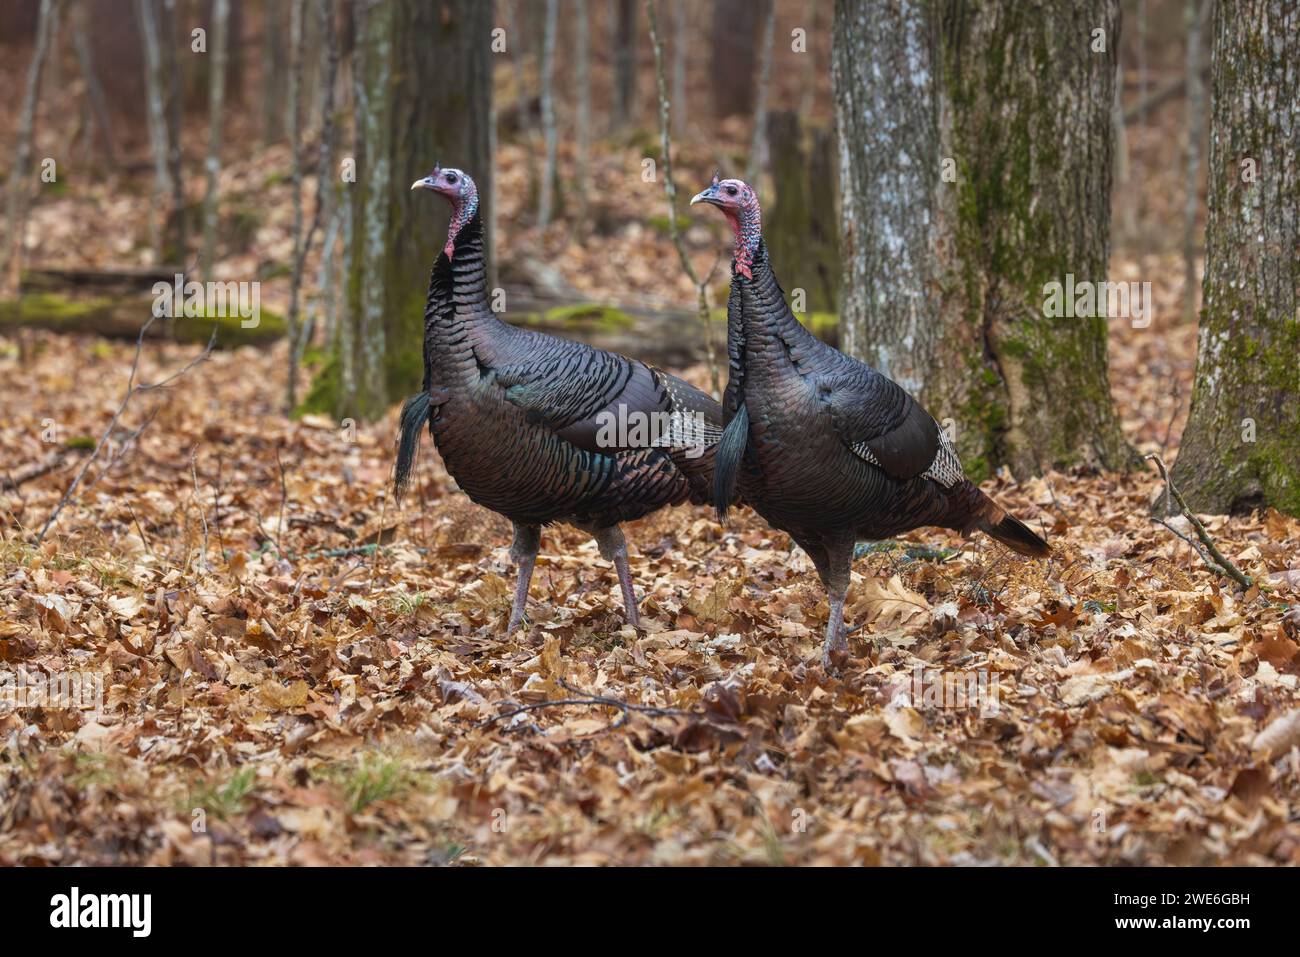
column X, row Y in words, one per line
column 158, row 137
column 681, row 46
column 296, row 16
column 275, row 78
column 731, row 57
column 758, row 145
column 624, row 111
column 404, row 49
column 582, row 40
column 94, row 89
column 799, row 214
column 16, row 215
column 546, row 191
column 1241, row 448
column 172, row 25
column 216, row 114
column 811, row 25
column 326, row 177
column 976, row 155
column 523, row 102
column 1194, row 13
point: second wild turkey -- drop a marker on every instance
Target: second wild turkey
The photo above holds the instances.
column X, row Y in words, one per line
column 526, row 423
column 823, row 446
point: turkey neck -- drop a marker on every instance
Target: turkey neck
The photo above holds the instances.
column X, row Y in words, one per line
column 460, row 327
column 763, row 336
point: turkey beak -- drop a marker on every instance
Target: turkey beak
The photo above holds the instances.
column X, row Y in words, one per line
column 705, row 196
column 426, row 183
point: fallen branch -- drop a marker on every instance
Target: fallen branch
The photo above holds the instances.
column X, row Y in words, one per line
column 586, row 698
column 132, row 389
column 11, row 480
column 1214, row 559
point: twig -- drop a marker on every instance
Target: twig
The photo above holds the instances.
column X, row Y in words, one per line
column 216, row 508
column 670, row 190
column 284, row 494
column 139, row 528
column 203, row 518
column 131, row 389
column 1220, row 563
column 587, row 698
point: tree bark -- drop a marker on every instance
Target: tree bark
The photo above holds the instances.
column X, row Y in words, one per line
column 405, row 48
column 216, row 113
column 976, row 152
column 19, row 179
column 1241, row 448
column 546, row 189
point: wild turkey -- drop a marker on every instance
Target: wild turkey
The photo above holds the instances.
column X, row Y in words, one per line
column 528, row 424
column 825, row 447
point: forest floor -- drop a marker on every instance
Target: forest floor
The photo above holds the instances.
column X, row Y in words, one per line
column 275, row 694
column 297, row 670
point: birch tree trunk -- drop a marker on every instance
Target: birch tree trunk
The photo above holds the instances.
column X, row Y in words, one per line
column 546, row 189
column 174, row 33
column 1241, row 448
column 20, row 177
column 216, row 113
column 582, row 78
column 404, row 50
column 158, row 135
column 976, row 154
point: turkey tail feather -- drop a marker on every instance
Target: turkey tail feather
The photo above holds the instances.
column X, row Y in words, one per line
column 1017, row 536
column 726, row 467
column 415, row 413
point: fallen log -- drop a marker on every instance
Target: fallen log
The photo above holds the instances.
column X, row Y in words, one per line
column 121, row 316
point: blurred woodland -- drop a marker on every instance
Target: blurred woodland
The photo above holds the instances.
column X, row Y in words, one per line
column 202, row 511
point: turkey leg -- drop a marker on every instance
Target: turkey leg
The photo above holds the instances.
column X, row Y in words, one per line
column 523, row 552
column 838, row 568
column 613, row 548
